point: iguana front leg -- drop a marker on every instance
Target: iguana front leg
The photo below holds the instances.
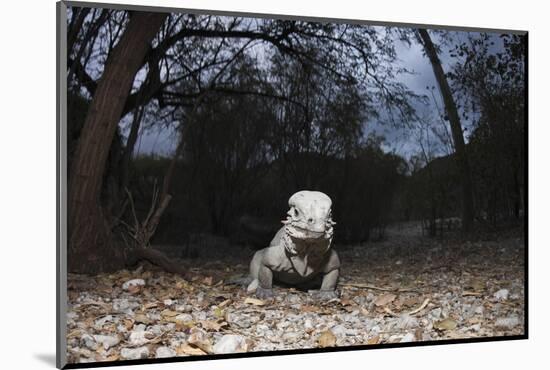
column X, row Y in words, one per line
column 265, row 286
column 328, row 286
column 330, row 278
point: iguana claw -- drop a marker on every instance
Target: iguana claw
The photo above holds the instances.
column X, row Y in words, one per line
column 324, row 295
column 262, row 293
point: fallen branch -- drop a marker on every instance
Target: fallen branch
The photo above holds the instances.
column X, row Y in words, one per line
column 373, row 287
column 390, row 312
column 468, row 293
column 422, row 306
column 159, row 259
column 410, row 313
column 141, row 233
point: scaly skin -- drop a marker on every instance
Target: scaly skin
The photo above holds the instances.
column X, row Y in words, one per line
column 300, row 253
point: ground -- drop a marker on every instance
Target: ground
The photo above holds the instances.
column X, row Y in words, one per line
column 404, row 289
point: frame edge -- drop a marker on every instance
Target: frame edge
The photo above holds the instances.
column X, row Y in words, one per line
column 61, row 188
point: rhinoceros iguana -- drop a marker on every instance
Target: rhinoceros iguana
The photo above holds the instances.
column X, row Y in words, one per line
column 301, row 250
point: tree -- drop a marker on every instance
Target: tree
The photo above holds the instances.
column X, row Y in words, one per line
column 488, row 77
column 90, row 247
column 162, row 78
column 456, row 130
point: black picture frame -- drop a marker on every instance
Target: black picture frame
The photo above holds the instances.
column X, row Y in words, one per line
column 62, row 186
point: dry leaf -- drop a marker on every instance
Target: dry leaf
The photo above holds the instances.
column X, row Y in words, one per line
column 134, row 289
column 455, row 335
column 74, row 333
column 384, row 299
column 142, row 318
column 209, row 280
column 107, row 289
column 186, row 349
column 474, row 320
column 219, row 313
column 309, row 308
column 347, row 302
column 477, row 284
column 224, row 303
column 447, row 324
column 254, row 301
column 128, row 323
column 374, row 340
column 113, row 357
column 198, row 338
column 412, row 301
column 212, row 325
column 327, row 339
column 150, row 305
column 184, row 285
column 169, row 313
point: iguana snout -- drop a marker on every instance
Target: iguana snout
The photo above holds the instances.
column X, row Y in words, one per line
column 310, row 215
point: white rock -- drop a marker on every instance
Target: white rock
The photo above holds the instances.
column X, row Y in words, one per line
column 262, row 329
column 139, row 327
column 375, row 330
column 394, row 338
column 88, row 341
column 406, row 322
column 156, row 329
column 479, row 310
column 200, row 316
column 133, row 282
column 409, row 337
column 293, row 298
column 108, row 341
column 507, row 322
column 164, row 352
column 184, row 308
column 502, row 295
column 339, row 330
column 476, row 327
column 230, row 344
column 71, row 315
column 426, row 337
column 137, row 338
column 100, row 322
column 124, row 306
column 134, row 353
column 436, row 313
column 291, row 337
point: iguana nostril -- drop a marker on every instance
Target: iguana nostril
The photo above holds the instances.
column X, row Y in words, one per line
column 310, row 220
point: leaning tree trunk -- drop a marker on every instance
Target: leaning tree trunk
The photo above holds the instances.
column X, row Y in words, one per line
column 456, row 129
column 90, row 239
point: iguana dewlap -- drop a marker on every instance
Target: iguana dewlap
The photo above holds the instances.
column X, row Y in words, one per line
column 301, row 250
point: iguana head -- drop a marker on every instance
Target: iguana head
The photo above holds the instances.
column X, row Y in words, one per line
column 310, row 215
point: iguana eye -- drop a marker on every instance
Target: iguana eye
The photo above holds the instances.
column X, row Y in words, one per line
column 296, row 212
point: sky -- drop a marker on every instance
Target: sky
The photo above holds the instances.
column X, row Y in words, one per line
column 397, row 140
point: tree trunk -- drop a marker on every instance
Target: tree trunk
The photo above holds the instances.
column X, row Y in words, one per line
column 456, row 129
column 130, row 145
column 90, row 240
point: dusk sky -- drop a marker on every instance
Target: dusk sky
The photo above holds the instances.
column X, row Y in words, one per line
column 397, row 140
